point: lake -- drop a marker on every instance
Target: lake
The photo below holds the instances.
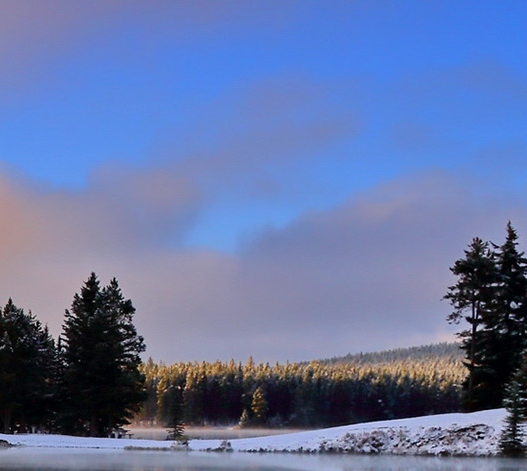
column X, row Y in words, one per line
column 48, row 459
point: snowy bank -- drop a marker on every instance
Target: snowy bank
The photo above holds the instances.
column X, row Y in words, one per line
column 64, row 441
column 474, row 434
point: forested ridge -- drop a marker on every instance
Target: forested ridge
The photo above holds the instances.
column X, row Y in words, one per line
column 446, row 351
column 354, row 388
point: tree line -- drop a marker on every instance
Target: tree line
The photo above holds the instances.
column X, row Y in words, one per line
column 310, row 394
column 86, row 383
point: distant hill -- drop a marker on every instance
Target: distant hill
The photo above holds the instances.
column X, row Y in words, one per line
column 443, row 352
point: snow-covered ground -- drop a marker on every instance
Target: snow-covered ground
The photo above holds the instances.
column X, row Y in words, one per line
column 474, row 434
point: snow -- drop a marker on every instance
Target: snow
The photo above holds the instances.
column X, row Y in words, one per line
column 64, row 441
column 474, row 434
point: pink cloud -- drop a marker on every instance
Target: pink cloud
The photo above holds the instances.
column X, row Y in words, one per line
column 51, row 240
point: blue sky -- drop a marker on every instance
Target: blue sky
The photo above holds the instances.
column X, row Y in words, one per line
column 275, row 179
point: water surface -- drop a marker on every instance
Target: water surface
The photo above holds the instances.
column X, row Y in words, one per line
column 48, row 459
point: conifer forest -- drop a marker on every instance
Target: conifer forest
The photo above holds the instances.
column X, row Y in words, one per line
column 356, row 388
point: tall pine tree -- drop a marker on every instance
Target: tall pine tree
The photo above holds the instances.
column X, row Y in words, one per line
column 27, row 368
column 102, row 386
column 503, row 336
column 491, row 295
column 471, row 298
column 512, row 436
column 515, row 402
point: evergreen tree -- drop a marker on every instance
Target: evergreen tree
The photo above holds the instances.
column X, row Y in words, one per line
column 102, row 386
column 27, row 362
column 505, row 324
column 42, row 404
column 515, row 402
column 512, row 437
column 176, row 428
column 492, row 288
column 244, row 419
column 472, row 297
column 259, row 405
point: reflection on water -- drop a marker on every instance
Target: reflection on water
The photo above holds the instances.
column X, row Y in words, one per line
column 47, row 459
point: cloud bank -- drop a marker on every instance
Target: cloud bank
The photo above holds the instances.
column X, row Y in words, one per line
column 364, row 275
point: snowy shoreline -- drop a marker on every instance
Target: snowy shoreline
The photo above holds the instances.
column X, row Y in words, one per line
column 475, row 434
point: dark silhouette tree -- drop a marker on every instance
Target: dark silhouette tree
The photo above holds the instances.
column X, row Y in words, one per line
column 505, row 325
column 102, row 386
column 512, row 440
column 176, row 427
column 27, row 368
column 491, row 296
column 471, row 298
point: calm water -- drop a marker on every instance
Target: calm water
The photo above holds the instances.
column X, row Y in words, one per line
column 32, row 459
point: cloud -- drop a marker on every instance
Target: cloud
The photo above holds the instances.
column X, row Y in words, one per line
column 53, row 239
column 366, row 275
column 35, row 36
column 257, row 141
column 473, row 93
column 20, row 233
column 156, row 204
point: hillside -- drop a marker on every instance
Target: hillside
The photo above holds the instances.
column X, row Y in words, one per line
column 444, row 352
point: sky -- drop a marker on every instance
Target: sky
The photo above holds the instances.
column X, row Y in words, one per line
column 287, row 180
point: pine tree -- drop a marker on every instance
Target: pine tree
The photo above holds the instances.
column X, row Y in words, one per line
column 492, row 288
column 244, row 419
column 127, row 391
column 102, row 386
column 471, row 297
column 42, row 404
column 505, row 324
column 27, row 362
column 512, row 437
column 512, row 440
column 79, row 361
column 259, row 405
column 176, row 427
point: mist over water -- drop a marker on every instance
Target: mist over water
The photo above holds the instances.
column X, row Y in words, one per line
column 49, row 459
